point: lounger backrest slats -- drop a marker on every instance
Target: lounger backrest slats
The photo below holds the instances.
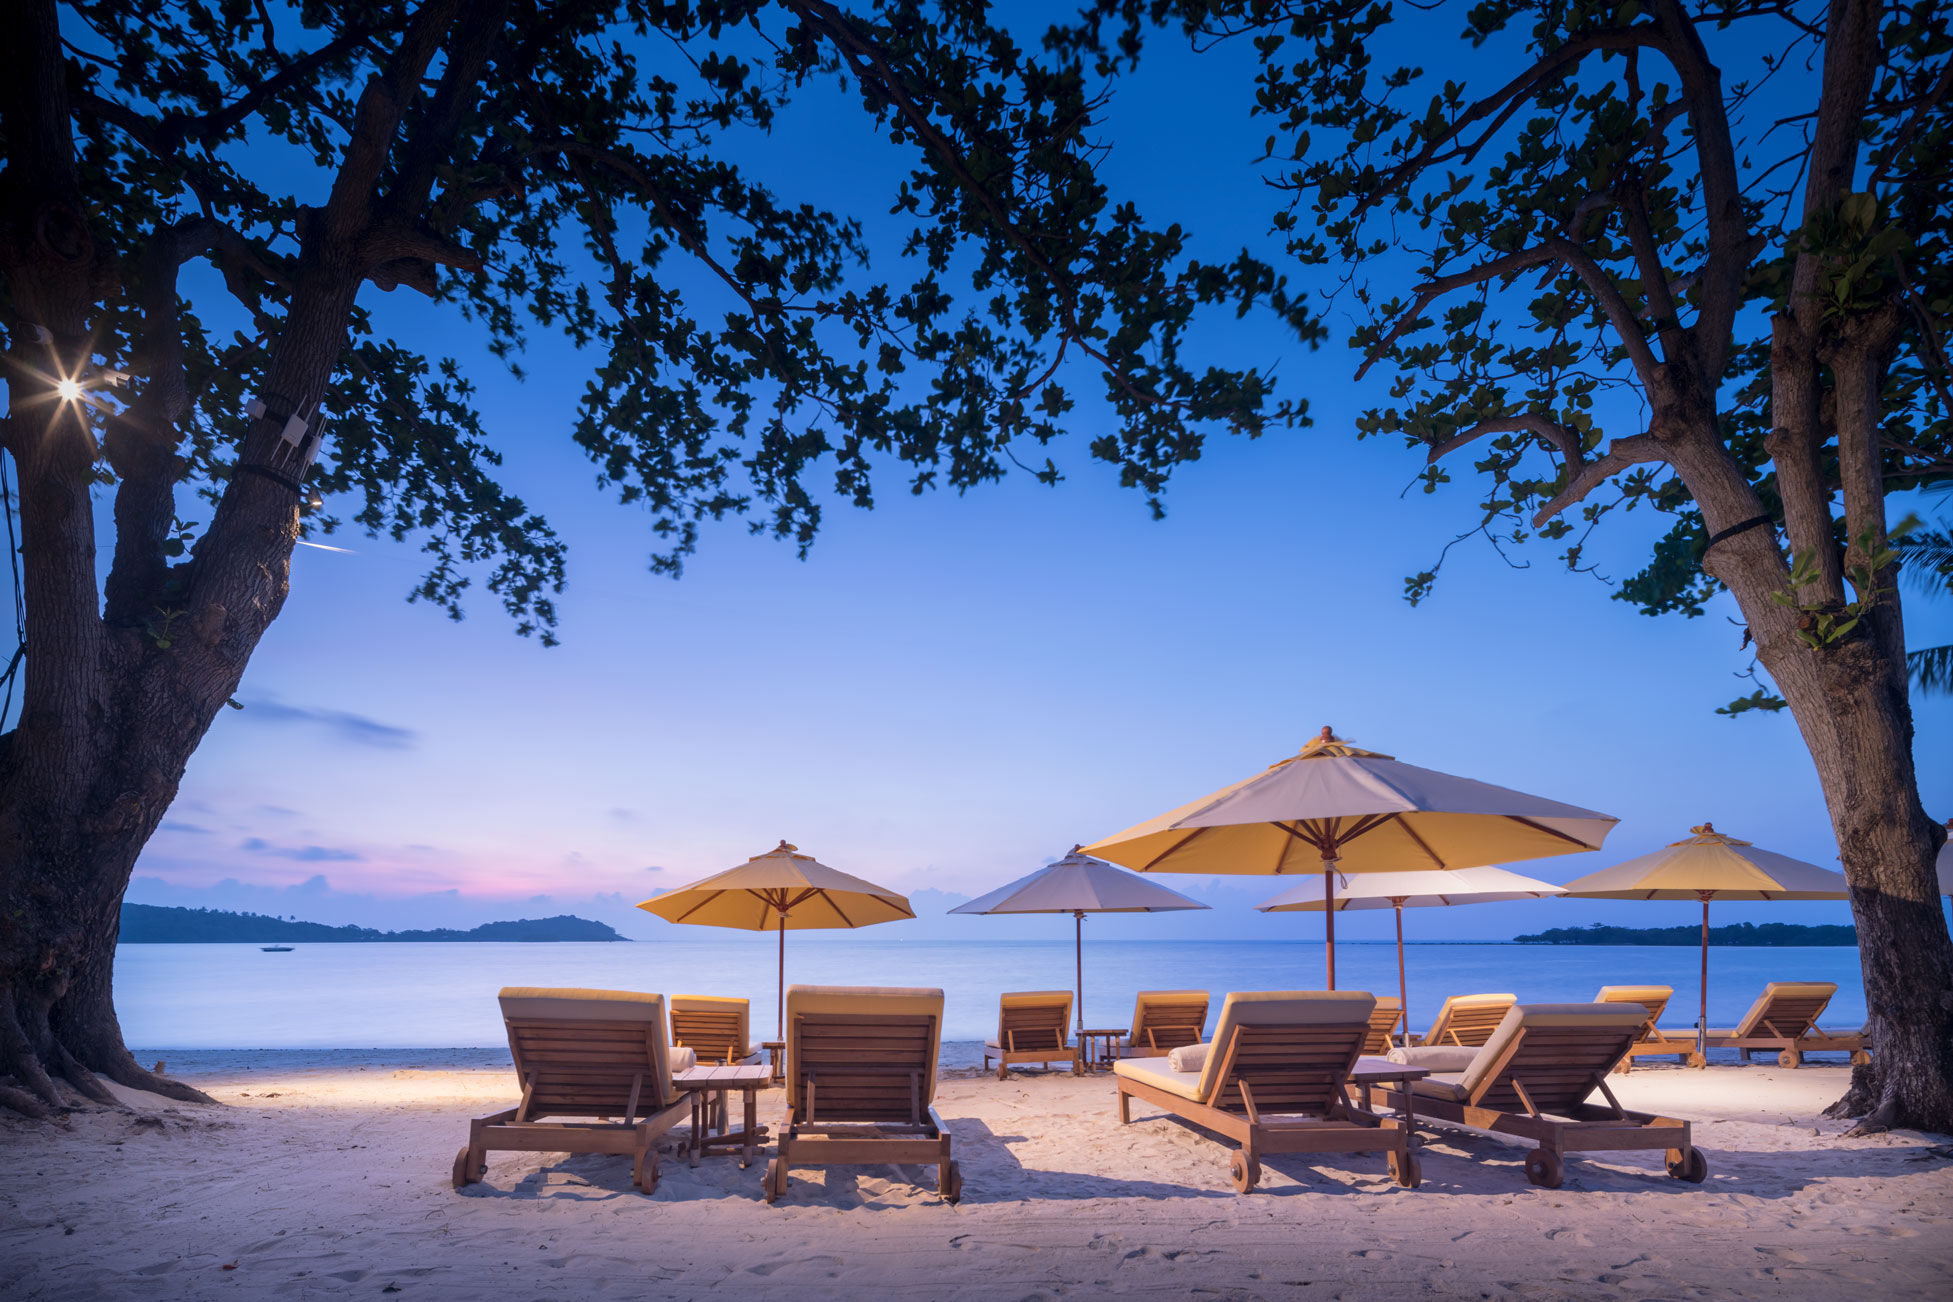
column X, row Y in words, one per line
column 713, row 1028
column 1298, row 1044
column 1383, row 1023
column 1653, row 998
column 1163, row 1020
column 1030, row 1020
column 1789, row 1009
column 1469, row 1020
column 1289, row 1069
column 586, row 1052
column 1555, row 1051
column 868, row 1053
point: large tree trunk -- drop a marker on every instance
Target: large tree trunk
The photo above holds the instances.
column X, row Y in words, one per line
column 1850, row 701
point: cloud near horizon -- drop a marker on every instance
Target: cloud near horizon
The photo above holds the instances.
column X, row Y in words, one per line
column 301, row 853
column 357, row 729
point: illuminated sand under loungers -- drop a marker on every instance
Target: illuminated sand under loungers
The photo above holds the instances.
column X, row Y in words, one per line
column 328, row 1175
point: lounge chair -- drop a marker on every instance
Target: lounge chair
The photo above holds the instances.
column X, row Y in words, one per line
column 1274, row 1079
column 1384, row 1019
column 1784, row 1020
column 1532, row 1078
column 1654, row 1041
column 1467, row 1020
column 1162, row 1021
column 861, row 1083
column 714, row 1028
column 1032, row 1026
column 583, row 1053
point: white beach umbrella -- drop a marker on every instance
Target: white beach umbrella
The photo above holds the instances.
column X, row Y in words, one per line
column 778, row 890
column 1334, row 808
column 1412, row 890
column 1710, row 866
column 1079, row 884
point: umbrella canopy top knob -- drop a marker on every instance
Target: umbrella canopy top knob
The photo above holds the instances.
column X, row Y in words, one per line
column 1327, row 744
column 1706, row 834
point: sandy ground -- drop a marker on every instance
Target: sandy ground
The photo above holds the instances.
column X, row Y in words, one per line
column 328, row 1177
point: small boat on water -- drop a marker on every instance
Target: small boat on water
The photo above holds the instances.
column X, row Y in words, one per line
column 276, row 949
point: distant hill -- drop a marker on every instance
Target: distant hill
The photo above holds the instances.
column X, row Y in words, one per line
column 152, row 924
column 1740, row 933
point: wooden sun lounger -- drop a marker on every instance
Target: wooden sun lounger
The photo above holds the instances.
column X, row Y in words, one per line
column 1784, row 1020
column 1467, row 1020
column 714, row 1028
column 1275, row 1080
column 1163, row 1020
column 1032, row 1026
column 1654, row 1041
column 861, row 1083
column 1533, row 1077
column 1384, row 1020
column 583, row 1053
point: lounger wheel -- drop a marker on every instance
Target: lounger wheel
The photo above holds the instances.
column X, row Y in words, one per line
column 952, row 1184
column 1003, row 1071
column 774, row 1183
column 1697, row 1060
column 1244, row 1171
column 1861, row 1057
column 1790, row 1058
column 1694, row 1169
column 1406, row 1170
column 1545, row 1169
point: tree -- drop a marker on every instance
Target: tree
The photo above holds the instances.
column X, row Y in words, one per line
column 568, row 167
column 1597, row 225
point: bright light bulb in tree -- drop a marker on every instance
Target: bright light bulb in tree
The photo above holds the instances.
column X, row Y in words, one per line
column 69, row 390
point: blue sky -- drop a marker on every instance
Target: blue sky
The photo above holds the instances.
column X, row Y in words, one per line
column 949, row 692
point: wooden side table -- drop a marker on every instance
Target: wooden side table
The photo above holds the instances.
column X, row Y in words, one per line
column 708, row 1087
column 776, row 1053
column 1372, row 1072
column 1089, row 1061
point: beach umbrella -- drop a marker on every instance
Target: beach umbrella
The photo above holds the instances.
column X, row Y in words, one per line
column 1334, row 808
column 780, row 890
column 1079, row 884
column 1710, row 866
column 1413, row 890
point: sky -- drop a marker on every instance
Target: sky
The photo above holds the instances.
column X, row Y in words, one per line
column 949, row 692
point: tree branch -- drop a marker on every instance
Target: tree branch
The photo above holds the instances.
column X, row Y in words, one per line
column 1635, row 449
column 1547, row 429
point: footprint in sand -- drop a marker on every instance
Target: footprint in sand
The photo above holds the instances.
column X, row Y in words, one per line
column 818, row 1263
column 1784, row 1254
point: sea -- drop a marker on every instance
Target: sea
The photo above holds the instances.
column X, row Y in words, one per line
column 401, row 996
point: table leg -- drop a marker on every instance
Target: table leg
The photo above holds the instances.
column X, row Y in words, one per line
column 752, row 1125
column 698, row 1127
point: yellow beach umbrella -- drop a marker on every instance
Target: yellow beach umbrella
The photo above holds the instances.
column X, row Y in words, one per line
column 1709, row 866
column 1334, row 808
column 780, row 890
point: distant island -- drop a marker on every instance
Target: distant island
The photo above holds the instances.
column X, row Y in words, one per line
column 152, row 924
column 1740, row 933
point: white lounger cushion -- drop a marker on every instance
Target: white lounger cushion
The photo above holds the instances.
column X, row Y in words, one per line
column 544, row 1003
column 1435, row 1057
column 1159, row 1073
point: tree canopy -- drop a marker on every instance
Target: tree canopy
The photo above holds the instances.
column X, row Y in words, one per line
column 577, row 168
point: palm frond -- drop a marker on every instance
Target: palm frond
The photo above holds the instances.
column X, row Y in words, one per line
column 1931, row 670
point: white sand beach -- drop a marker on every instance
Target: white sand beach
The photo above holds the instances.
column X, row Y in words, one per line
column 327, row 1175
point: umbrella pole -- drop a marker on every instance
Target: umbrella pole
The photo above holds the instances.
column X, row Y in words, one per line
column 1403, row 987
column 1329, row 914
column 780, row 1028
column 1702, row 1022
column 1078, row 918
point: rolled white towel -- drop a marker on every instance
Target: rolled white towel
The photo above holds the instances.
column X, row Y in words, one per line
column 683, row 1058
column 1188, row 1057
column 1435, row 1057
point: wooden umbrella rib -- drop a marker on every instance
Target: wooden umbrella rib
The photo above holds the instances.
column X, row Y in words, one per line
column 839, row 912
column 1541, row 827
column 696, row 907
column 1411, row 832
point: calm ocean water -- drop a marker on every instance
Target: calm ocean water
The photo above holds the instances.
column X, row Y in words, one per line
column 338, row 996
